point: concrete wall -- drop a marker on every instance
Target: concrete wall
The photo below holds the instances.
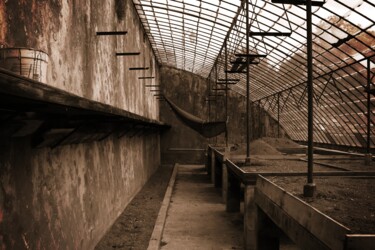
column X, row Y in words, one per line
column 67, row 197
column 262, row 124
column 189, row 91
column 79, row 61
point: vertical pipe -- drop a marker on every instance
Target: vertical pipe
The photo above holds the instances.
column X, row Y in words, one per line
column 216, row 98
column 208, row 99
column 226, row 93
column 309, row 188
column 368, row 106
column 247, row 160
column 260, row 132
column 278, row 115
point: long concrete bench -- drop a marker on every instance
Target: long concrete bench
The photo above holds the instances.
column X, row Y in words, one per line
column 267, row 206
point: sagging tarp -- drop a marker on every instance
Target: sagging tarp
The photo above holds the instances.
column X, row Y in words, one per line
column 206, row 129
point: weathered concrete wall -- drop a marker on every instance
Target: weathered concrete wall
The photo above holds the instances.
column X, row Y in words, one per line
column 67, row 197
column 262, row 124
column 79, row 61
column 189, row 92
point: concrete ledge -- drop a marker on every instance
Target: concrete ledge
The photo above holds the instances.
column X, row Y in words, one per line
column 305, row 225
column 156, row 236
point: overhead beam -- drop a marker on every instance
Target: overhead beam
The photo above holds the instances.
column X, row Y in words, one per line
column 251, row 33
column 128, row 53
column 300, row 2
column 250, row 55
column 139, row 68
column 146, row 77
column 111, row 33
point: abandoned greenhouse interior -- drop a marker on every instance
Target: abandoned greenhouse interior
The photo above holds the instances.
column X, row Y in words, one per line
column 187, row 124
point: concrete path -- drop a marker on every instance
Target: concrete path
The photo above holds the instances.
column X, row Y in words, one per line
column 196, row 217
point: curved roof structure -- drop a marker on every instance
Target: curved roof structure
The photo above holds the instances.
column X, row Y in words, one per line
column 195, row 35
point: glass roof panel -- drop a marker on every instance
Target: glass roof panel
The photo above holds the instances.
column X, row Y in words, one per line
column 191, row 35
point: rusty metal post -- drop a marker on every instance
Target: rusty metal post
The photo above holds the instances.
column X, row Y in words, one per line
column 209, row 102
column 216, row 106
column 247, row 160
column 226, row 93
column 310, row 187
column 368, row 106
column 278, row 115
column 368, row 157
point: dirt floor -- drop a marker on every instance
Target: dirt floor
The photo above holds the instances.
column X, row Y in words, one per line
column 348, row 200
column 133, row 228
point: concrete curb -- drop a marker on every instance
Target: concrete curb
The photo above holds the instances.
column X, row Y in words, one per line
column 157, row 234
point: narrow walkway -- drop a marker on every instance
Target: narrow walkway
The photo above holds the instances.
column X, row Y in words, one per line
column 196, row 217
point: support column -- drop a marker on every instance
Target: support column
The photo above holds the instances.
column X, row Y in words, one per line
column 278, row 115
column 368, row 156
column 233, row 194
column 247, row 160
column 250, row 219
column 216, row 98
column 208, row 161
column 268, row 234
column 226, row 94
column 224, row 182
column 218, row 174
column 213, row 163
column 224, row 191
column 310, row 187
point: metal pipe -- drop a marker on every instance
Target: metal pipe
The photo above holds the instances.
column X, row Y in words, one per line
column 226, row 93
column 247, row 160
column 128, row 53
column 111, row 33
column 216, row 106
column 146, row 77
column 278, row 115
column 309, row 188
column 259, row 119
column 368, row 107
column 209, row 103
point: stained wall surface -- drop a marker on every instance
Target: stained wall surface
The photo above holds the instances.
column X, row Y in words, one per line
column 68, row 196
column 189, row 91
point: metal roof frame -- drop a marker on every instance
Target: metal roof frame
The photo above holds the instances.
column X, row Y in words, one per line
column 191, row 35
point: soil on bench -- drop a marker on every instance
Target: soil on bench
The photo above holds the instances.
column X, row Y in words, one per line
column 133, row 228
column 348, row 200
